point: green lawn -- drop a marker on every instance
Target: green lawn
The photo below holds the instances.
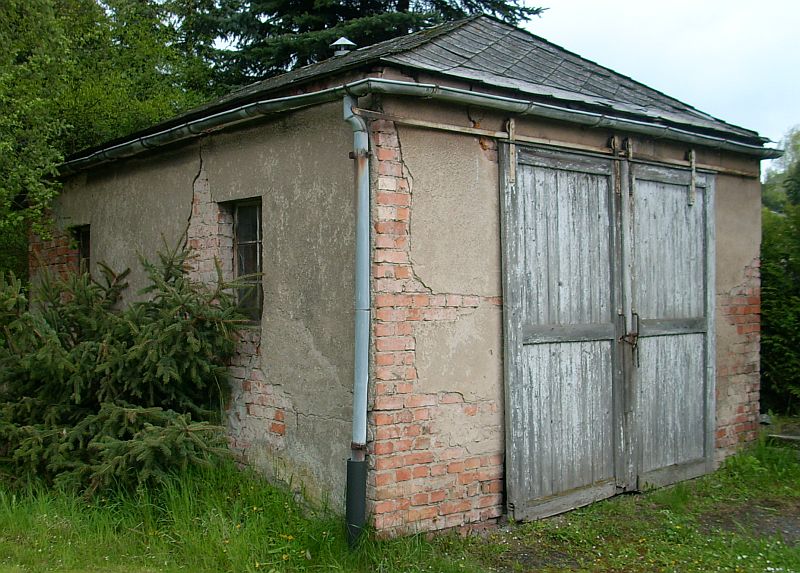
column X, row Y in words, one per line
column 226, row 520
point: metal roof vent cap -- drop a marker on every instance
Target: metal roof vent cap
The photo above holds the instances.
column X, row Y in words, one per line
column 342, row 46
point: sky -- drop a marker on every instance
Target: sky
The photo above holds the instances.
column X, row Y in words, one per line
column 738, row 61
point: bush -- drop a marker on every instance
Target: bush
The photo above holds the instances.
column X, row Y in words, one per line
column 93, row 395
column 780, row 310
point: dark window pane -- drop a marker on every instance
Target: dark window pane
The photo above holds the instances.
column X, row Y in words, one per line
column 247, row 259
column 82, row 239
column 247, row 223
column 250, row 298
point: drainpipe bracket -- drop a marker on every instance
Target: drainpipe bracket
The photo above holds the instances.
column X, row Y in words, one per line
column 355, row 446
column 358, row 154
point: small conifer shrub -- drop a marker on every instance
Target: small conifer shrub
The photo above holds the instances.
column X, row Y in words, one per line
column 95, row 394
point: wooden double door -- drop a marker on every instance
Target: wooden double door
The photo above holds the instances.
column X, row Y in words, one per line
column 608, row 327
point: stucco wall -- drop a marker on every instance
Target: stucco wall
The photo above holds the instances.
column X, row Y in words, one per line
column 291, row 410
column 299, row 166
column 134, row 208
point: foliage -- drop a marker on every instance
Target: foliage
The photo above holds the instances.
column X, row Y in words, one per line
column 75, row 73
column 780, row 284
column 774, row 189
column 273, row 36
column 31, row 71
column 92, row 396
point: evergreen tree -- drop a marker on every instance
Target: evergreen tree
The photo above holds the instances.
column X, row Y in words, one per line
column 273, row 36
column 92, row 396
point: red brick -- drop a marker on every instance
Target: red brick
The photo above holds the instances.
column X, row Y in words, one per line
column 388, row 462
column 381, row 419
column 420, row 499
column 384, row 388
column 449, row 507
column 422, row 414
column 494, row 486
column 391, row 343
column 403, row 272
column 387, row 432
column 389, row 256
column 277, row 428
column 403, row 445
column 385, row 358
column 455, row 467
column 412, row 431
column 382, row 300
column 402, row 474
column 472, row 463
column 387, row 198
column 438, row 469
column 380, row 448
column 391, row 227
column 403, row 387
column 384, row 507
column 387, row 154
column 421, row 513
column 422, row 443
column 418, row 458
column 420, row 472
column 389, row 402
column 418, row 400
column 390, row 168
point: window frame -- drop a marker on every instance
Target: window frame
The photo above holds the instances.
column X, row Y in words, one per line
column 250, row 280
column 82, row 238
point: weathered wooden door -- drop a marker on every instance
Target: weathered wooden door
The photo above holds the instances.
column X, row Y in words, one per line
column 671, row 253
column 605, row 385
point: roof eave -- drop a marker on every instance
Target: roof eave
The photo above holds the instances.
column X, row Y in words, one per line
column 196, row 127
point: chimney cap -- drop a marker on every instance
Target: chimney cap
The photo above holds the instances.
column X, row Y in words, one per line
column 342, row 46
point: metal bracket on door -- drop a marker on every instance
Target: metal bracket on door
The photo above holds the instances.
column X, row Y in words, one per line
column 631, row 337
column 692, row 156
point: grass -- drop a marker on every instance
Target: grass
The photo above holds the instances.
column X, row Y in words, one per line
column 728, row 521
column 227, row 520
column 217, row 520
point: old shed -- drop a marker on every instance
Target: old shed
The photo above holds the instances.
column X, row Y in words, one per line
column 555, row 272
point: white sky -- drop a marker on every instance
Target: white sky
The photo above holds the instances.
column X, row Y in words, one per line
column 736, row 60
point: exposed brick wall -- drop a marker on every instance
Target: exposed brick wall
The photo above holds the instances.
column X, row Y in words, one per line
column 58, row 255
column 738, row 381
column 256, row 410
column 418, row 481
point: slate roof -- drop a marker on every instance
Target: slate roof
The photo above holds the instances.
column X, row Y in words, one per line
column 487, row 52
column 483, row 50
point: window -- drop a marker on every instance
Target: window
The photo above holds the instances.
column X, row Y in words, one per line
column 81, row 237
column 247, row 253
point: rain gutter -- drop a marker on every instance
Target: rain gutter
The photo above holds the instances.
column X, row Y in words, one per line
column 520, row 107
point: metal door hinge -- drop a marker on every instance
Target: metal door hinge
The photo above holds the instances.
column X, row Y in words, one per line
column 692, row 157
